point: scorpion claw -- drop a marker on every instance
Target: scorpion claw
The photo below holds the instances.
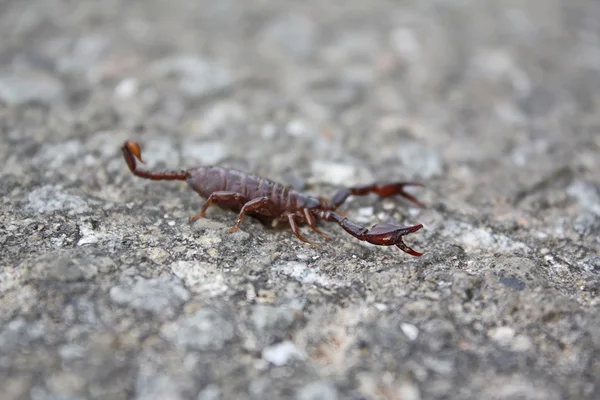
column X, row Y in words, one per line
column 402, row 246
column 388, row 234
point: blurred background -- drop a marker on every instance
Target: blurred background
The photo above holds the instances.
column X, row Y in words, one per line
column 465, row 89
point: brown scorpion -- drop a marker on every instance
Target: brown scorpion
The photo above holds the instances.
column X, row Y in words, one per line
column 261, row 197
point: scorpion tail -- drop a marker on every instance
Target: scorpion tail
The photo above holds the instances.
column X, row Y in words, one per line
column 132, row 151
column 380, row 234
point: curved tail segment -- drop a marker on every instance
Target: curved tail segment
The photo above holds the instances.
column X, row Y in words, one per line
column 381, row 234
column 132, row 151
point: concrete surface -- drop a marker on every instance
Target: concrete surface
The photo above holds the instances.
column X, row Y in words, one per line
column 106, row 291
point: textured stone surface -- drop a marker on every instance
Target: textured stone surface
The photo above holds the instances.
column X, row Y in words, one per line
column 107, row 292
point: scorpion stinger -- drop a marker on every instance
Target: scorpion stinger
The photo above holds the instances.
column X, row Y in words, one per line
column 132, row 150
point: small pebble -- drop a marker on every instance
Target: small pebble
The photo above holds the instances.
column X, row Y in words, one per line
column 411, row 331
column 502, row 335
column 210, row 392
column 365, row 211
column 333, row 173
column 127, row 88
column 300, row 128
column 406, row 44
column 301, row 272
column 153, row 386
column 409, row 391
column 200, row 277
column 282, row 353
column 206, row 153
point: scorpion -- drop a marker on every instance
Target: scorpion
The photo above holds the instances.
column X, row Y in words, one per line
column 267, row 200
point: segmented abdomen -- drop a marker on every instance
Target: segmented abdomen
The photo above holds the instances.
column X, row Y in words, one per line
column 207, row 180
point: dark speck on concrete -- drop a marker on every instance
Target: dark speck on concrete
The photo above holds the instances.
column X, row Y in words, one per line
column 513, row 283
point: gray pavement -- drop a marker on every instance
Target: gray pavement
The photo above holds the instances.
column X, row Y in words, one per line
column 107, row 292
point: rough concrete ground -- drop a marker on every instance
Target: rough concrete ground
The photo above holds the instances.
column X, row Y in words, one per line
column 106, row 291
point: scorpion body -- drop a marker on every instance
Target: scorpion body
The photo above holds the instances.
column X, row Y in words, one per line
column 260, row 197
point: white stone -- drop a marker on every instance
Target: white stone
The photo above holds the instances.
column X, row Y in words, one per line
column 281, row 353
column 411, row 331
column 502, row 335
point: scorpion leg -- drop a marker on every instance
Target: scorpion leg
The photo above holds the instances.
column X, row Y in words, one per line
column 310, row 220
column 380, row 234
column 381, row 189
column 296, row 230
column 220, row 197
column 255, row 205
